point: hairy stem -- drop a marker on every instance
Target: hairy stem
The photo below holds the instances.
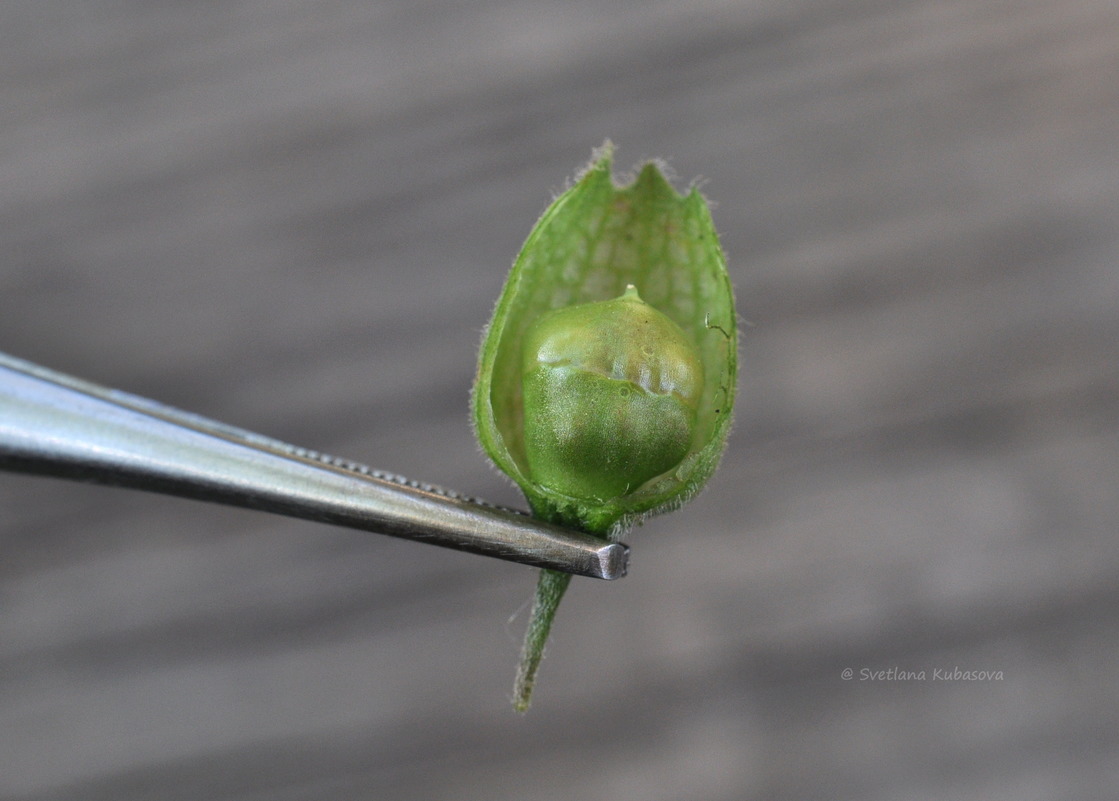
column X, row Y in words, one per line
column 549, row 590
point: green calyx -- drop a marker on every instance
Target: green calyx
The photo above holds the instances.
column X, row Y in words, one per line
column 585, row 454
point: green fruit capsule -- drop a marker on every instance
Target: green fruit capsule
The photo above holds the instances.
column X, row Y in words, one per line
column 604, row 406
column 611, row 391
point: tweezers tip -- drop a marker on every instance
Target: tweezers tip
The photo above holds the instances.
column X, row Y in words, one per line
column 613, row 560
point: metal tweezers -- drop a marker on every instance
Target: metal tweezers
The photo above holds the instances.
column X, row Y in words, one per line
column 53, row 424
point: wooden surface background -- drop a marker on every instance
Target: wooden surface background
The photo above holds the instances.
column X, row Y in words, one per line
column 295, row 216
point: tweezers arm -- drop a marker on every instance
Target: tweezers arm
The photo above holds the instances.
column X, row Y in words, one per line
column 53, row 424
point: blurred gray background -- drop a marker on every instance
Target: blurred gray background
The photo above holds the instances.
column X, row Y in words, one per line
column 295, row 217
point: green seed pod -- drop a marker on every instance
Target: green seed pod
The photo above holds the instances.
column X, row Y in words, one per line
column 610, row 396
column 604, row 406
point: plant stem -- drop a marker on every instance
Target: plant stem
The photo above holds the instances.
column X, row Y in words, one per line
column 550, row 588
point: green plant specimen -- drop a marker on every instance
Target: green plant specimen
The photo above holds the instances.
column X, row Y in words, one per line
column 607, row 375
